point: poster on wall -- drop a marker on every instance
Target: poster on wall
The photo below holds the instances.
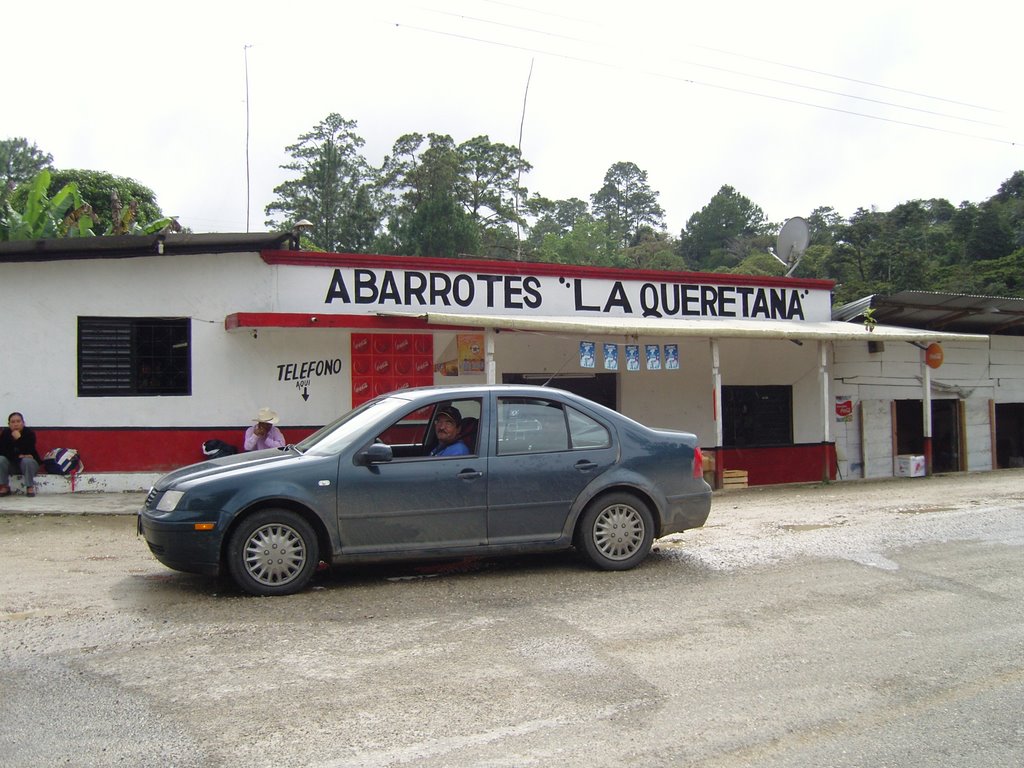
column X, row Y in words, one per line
column 844, row 408
column 471, row 352
column 653, row 354
column 611, row 357
column 587, row 354
column 671, row 357
column 632, row 357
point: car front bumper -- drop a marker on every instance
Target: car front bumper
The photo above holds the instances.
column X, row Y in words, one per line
column 180, row 546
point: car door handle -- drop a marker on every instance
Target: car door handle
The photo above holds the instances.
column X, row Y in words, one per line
column 470, row 474
column 585, row 466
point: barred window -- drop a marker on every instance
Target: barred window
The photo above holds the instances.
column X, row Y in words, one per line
column 134, row 356
column 757, row 417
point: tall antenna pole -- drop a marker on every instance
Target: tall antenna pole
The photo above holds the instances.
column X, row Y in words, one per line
column 519, row 175
column 245, row 53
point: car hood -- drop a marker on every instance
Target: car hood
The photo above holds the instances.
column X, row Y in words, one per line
column 227, row 466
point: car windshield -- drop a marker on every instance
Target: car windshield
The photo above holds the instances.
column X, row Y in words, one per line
column 331, row 438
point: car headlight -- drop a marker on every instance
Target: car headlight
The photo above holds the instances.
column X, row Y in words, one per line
column 169, row 501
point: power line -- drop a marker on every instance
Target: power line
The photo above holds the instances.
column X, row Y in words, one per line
column 758, row 59
column 692, row 81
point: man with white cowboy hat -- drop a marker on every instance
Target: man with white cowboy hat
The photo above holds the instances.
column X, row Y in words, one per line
column 263, row 434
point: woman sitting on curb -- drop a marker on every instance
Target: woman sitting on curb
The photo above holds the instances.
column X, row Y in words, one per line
column 18, row 455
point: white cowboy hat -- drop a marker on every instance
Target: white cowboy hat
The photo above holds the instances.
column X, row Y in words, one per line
column 267, row 415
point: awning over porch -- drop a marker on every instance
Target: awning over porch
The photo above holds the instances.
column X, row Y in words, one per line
column 702, row 328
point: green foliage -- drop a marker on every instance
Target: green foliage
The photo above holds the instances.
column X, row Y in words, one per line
column 31, row 214
column 723, row 233
column 335, row 188
column 584, row 243
column 20, row 162
column 433, row 196
column 652, row 250
column 43, row 217
column 488, row 182
column 625, row 204
column 120, row 205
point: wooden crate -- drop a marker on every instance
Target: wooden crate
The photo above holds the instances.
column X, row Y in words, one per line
column 733, row 479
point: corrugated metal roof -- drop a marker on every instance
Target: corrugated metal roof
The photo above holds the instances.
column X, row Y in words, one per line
column 960, row 313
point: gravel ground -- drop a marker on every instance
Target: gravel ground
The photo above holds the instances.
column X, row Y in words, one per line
column 854, row 520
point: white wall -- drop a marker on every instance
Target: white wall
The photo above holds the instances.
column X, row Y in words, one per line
column 233, row 374
column 874, row 380
column 1006, row 358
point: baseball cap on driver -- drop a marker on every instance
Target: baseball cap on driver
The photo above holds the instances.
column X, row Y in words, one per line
column 451, row 412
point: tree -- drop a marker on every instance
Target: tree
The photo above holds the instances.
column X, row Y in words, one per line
column 120, row 205
column 335, row 189
column 19, row 162
column 990, row 237
column 422, row 180
column 652, row 250
column 1012, row 188
column 626, row 203
column 488, row 184
column 558, row 219
column 824, row 223
column 723, row 232
column 43, row 217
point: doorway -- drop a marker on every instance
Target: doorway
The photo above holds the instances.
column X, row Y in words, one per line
column 946, row 432
column 1009, row 435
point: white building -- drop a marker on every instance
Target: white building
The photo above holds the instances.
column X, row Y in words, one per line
column 135, row 350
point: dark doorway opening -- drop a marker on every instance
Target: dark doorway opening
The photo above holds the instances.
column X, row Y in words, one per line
column 601, row 387
column 945, row 432
column 1009, row 435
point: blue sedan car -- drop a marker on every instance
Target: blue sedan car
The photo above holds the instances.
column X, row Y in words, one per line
column 439, row 472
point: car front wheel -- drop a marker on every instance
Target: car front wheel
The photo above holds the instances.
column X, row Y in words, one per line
column 273, row 552
column 616, row 531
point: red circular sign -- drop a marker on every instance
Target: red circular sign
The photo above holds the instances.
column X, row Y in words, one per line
column 933, row 355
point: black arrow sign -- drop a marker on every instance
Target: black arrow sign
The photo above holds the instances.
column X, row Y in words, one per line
column 305, row 393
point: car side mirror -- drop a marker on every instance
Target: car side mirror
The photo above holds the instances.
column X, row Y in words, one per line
column 378, row 453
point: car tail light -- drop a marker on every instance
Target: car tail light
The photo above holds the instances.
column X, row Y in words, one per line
column 698, row 463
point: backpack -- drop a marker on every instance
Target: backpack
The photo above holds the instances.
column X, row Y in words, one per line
column 62, row 461
column 214, row 449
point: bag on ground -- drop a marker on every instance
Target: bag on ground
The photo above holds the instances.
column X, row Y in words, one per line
column 62, row 461
column 214, row 449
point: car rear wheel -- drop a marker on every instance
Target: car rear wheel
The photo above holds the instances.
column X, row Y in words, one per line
column 616, row 531
column 273, row 552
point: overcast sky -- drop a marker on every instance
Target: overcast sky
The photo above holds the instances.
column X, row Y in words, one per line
column 794, row 104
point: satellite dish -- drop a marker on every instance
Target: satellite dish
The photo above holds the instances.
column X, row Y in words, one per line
column 794, row 238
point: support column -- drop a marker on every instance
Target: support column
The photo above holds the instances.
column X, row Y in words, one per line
column 489, row 366
column 826, row 411
column 926, row 405
column 716, row 411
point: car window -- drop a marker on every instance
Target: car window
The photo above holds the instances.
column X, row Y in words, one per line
column 334, row 436
column 411, row 429
column 413, row 436
column 528, row 425
column 585, row 431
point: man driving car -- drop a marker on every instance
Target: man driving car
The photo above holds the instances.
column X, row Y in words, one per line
column 447, row 424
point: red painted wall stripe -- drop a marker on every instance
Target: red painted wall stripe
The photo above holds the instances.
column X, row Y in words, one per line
column 145, row 450
column 163, row 449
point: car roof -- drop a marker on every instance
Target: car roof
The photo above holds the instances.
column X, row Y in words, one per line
column 470, row 390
